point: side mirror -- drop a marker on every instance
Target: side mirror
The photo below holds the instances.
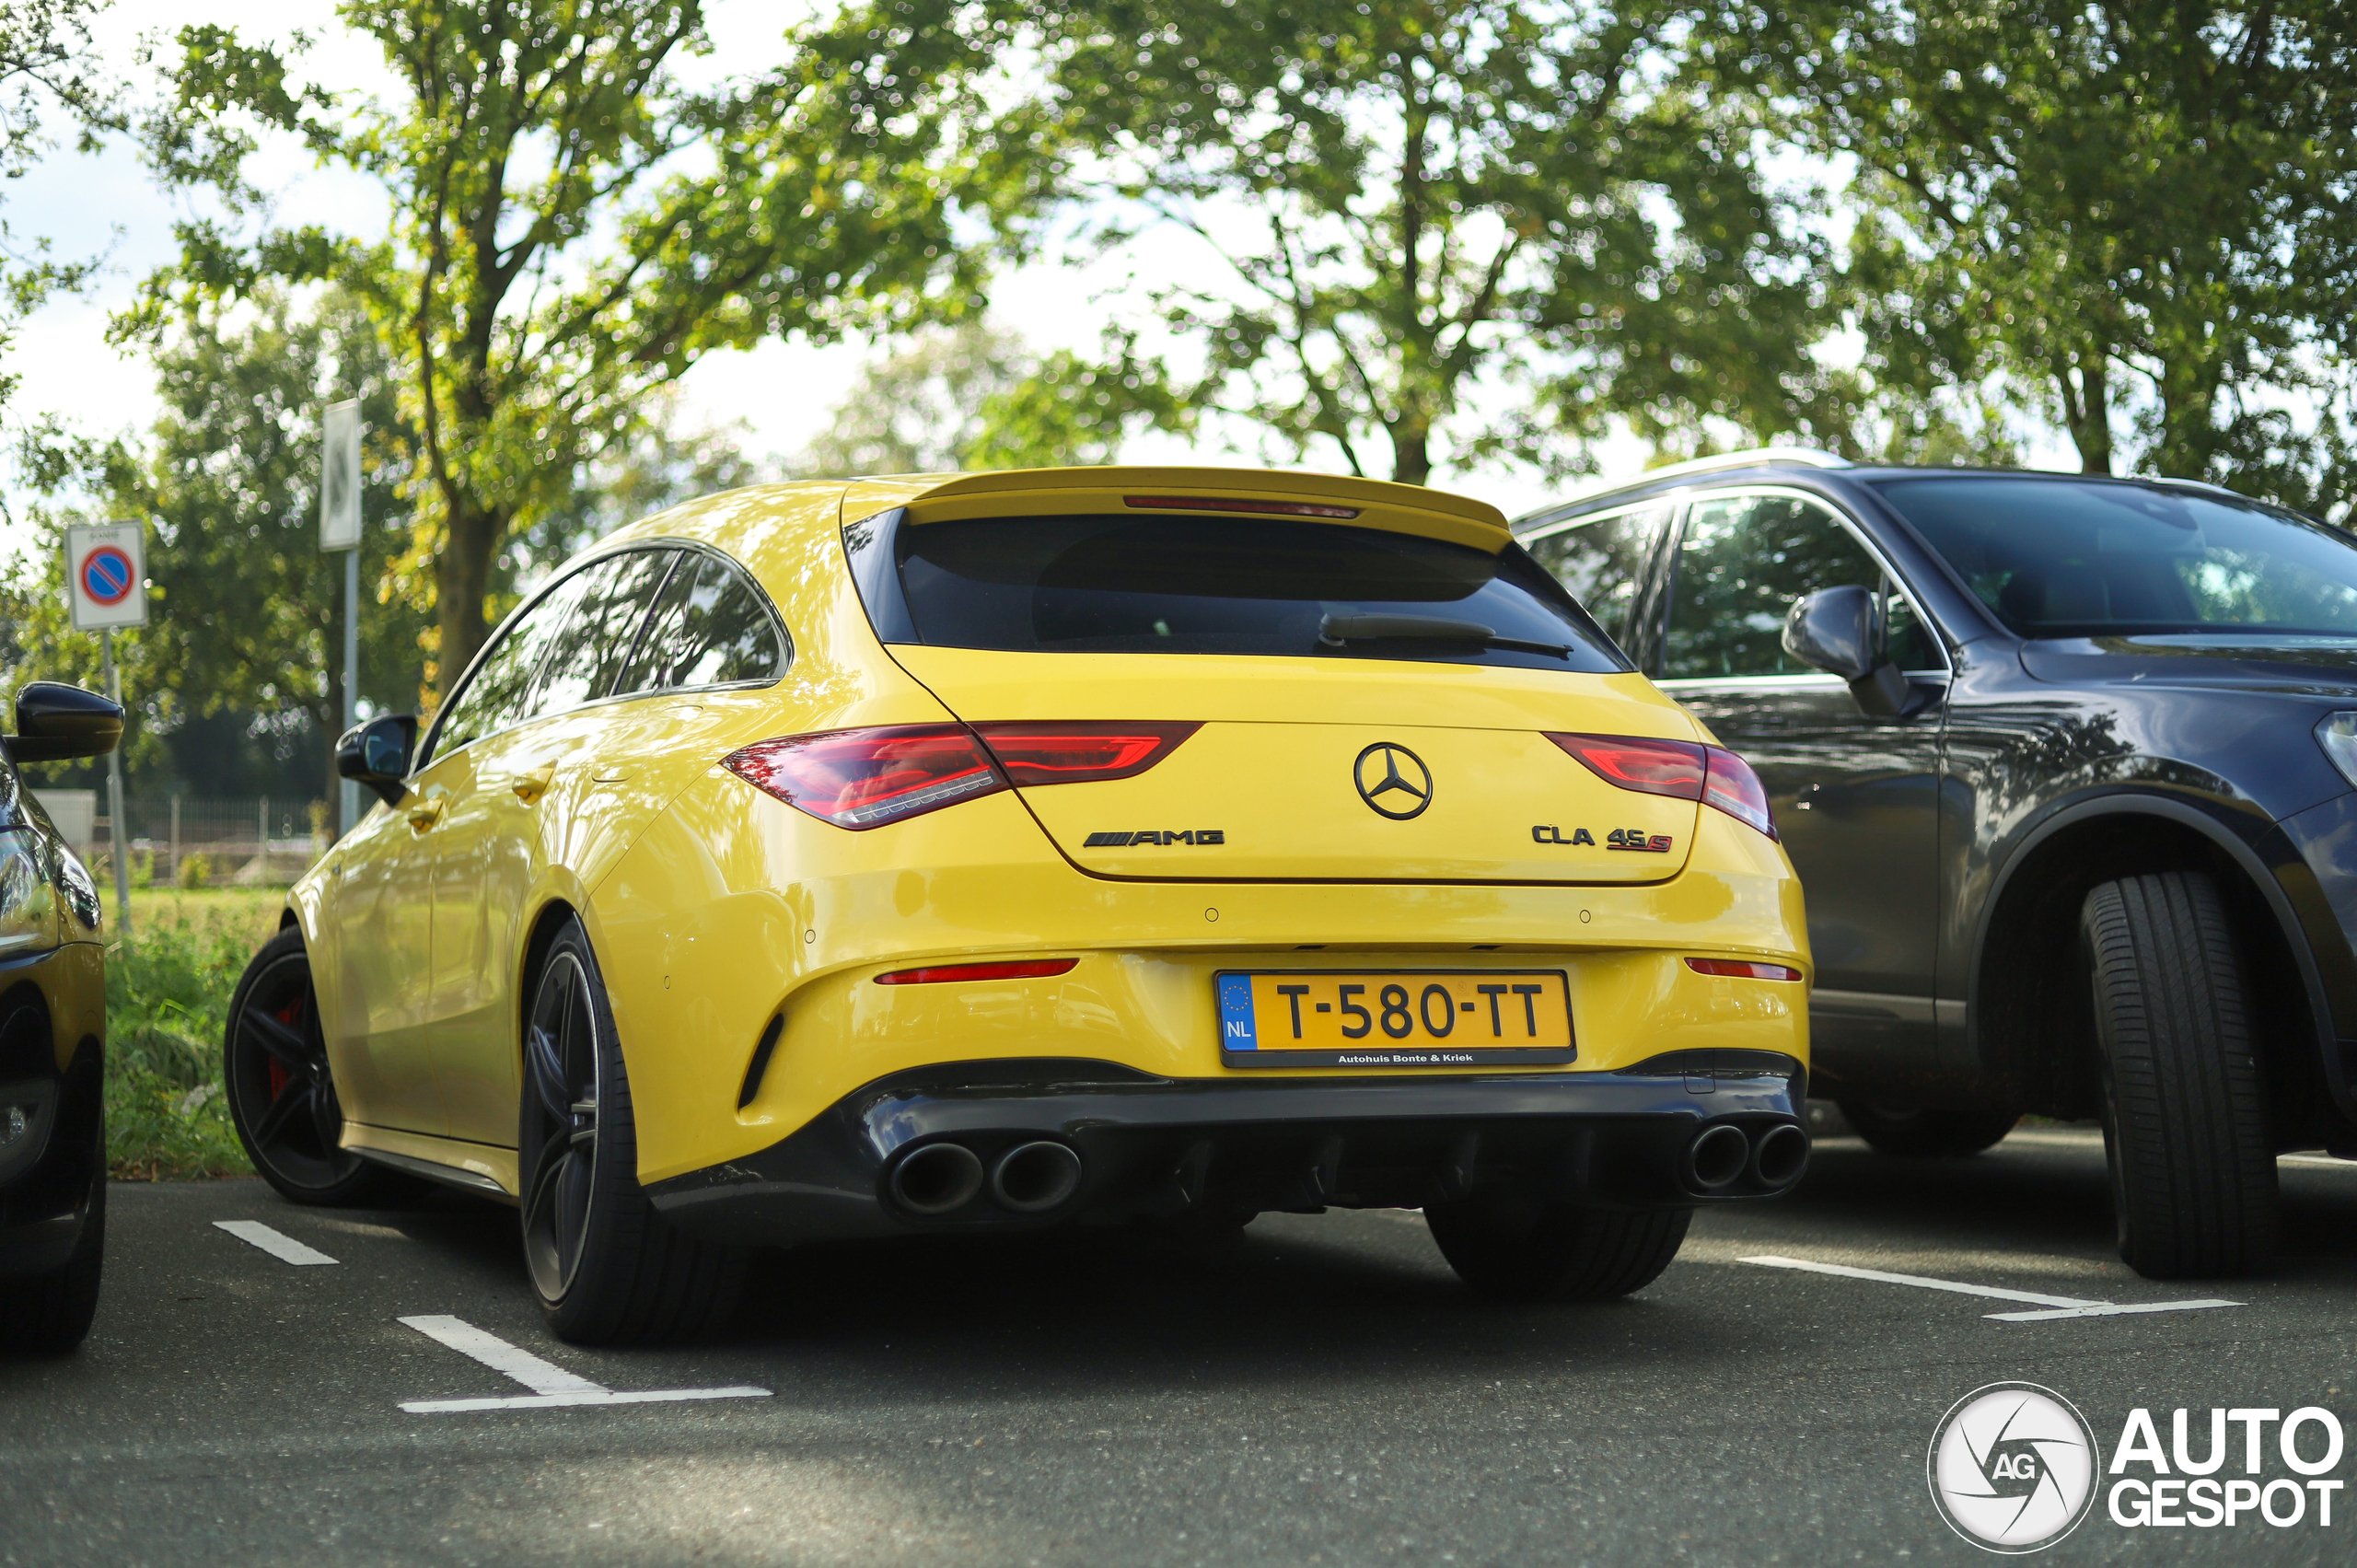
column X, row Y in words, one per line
column 1836, row 629
column 55, row 722
column 376, row 753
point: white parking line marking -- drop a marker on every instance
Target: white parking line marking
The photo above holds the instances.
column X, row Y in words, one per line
column 2058, row 1305
column 285, row 1249
column 552, row 1385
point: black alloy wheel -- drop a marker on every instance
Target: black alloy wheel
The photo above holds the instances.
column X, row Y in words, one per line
column 2185, row 1126
column 281, row 1093
column 1927, row 1132
column 605, row 1266
column 1517, row 1247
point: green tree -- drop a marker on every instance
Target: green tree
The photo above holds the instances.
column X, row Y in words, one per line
column 573, row 224
column 2137, row 213
column 1396, row 204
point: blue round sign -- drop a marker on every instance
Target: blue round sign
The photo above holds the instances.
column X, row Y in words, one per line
column 107, row 576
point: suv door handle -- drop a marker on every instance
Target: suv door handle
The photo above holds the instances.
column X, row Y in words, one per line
column 529, row 787
column 425, row 814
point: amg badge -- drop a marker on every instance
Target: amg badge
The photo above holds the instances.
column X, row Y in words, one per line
column 1196, row 836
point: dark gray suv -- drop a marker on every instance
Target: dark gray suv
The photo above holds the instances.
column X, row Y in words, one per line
column 2066, row 767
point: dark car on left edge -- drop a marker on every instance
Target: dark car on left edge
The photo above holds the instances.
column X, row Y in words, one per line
column 52, row 1039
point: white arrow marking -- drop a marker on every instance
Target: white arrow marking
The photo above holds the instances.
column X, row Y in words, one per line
column 2058, row 1305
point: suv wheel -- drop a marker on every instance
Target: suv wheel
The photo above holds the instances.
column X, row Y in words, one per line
column 1927, row 1132
column 2184, row 1112
column 606, row 1267
column 1520, row 1248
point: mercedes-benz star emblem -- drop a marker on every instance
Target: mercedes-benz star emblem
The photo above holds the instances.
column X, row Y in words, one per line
column 1393, row 781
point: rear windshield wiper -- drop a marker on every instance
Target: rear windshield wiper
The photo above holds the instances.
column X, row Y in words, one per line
column 1339, row 629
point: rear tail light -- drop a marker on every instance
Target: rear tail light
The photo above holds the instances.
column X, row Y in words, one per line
column 1735, row 789
column 1742, row 969
column 866, row 778
column 1080, row 753
column 1678, row 769
column 1026, row 969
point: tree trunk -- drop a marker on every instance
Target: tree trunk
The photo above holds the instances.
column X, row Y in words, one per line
column 2086, row 410
column 462, row 584
column 1412, row 461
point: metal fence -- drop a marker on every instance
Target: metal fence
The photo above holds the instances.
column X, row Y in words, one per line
column 196, row 840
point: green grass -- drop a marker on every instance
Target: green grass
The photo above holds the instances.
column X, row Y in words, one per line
column 168, row 999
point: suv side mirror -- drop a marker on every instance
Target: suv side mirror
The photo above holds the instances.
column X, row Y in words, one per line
column 1839, row 630
column 55, row 722
column 376, row 753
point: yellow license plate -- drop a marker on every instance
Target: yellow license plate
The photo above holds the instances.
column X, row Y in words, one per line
column 1396, row 1018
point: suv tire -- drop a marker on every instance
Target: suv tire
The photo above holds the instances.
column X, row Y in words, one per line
column 2183, row 1110
column 1930, row 1132
column 1520, row 1248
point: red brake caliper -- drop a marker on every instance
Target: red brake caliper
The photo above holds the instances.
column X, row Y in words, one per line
column 278, row 1074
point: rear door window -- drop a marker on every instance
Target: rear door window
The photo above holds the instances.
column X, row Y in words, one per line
column 1270, row 586
column 711, row 627
column 587, row 652
column 498, row 695
column 1602, row 561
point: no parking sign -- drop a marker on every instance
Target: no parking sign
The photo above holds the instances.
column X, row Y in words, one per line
column 106, row 576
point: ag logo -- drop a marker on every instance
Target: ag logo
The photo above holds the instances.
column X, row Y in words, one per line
column 2013, row 1468
column 1393, row 781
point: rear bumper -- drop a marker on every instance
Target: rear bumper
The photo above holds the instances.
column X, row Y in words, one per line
column 1149, row 1145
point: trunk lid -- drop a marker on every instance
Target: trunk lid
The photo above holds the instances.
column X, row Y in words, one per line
column 1389, row 772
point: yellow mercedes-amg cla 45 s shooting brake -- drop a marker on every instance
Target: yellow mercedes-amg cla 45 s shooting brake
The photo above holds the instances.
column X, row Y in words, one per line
column 981, row 853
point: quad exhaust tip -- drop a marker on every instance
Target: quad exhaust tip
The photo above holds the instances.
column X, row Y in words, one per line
column 1780, row 1156
column 1718, row 1157
column 937, row 1179
column 1031, row 1179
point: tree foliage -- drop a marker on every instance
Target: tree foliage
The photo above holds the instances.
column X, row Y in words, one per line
column 1390, row 205
column 2140, row 211
column 47, row 68
column 973, row 397
column 573, row 224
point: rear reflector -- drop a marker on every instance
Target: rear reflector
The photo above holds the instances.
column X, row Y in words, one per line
column 1740, row 968
column 1080, row 753
column 1032, row 968
column 866, row 778
column 1678, row 769
column 1236, row 504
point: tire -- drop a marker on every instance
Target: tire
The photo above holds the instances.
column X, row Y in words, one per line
column 282, row 1096
column 605, row 1266
column 2183, row 1108
column 1930, row 1132
column 1518, row 1248
column 50, row 1314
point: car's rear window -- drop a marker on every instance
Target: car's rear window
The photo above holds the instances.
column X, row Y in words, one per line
column 2085, row 558
column 1276, row 586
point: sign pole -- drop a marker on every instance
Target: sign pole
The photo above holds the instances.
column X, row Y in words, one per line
column 350, row 801
column 120, row 840
column 106, row 587
column 340, row 530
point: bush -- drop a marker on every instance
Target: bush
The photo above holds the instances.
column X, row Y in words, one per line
column 167, row 1001
column 194, row 869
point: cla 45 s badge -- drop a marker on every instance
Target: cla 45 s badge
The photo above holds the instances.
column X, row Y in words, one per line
column 1618, row 838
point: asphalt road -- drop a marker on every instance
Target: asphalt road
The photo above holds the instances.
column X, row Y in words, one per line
column 1321, row 1392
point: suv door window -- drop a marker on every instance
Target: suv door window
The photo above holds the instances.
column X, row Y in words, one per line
column 1741, row 562
column 590, row 647
column 711, row 627
column 1602, row 561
